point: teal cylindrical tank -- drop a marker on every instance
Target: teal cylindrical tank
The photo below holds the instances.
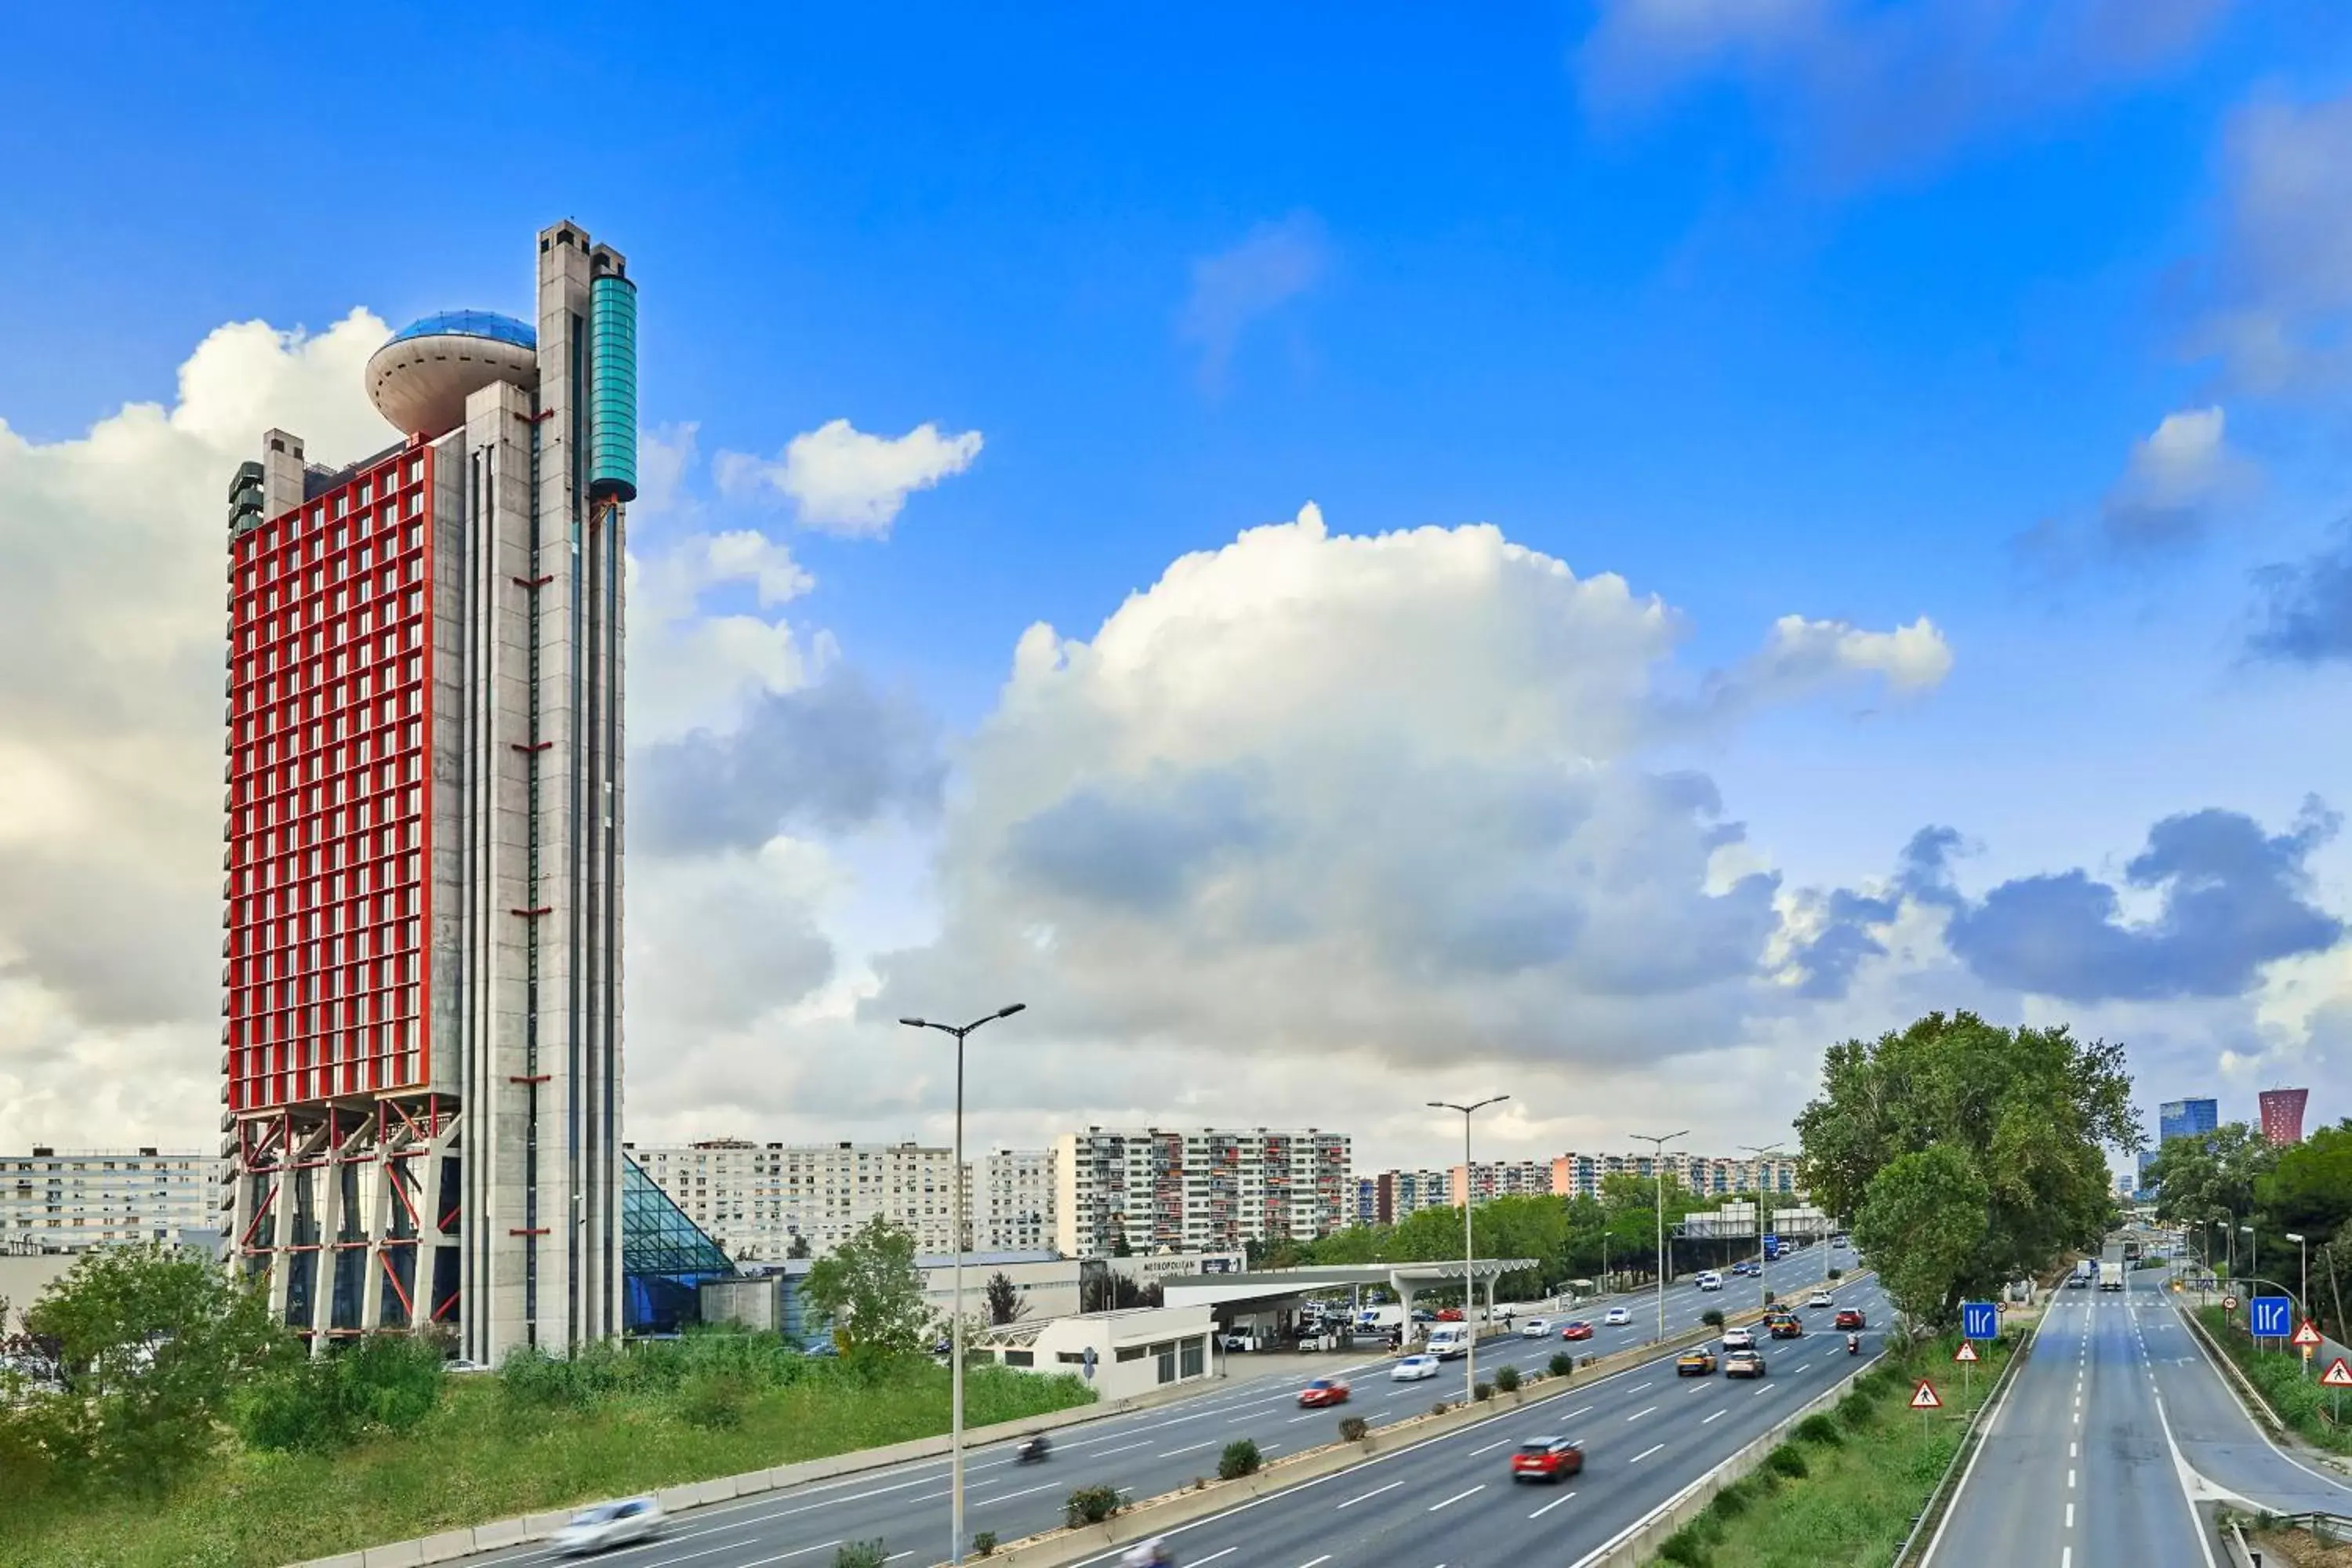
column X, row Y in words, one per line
column 612, row 397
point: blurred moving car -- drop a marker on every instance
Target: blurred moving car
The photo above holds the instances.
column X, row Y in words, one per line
column 609, row 1524
column 1696, row 1362
column 1616, row 1318
column 1413, row 1368
column 1820, row 1298
column 1850, row 1317
column 1323, row 1391
column 1536, row 1329
column 1547, row 1459
column 1709, row 1279
column 1743, row 1363
column 1751, row 1270
column 1790, row 1327
column 1575, row 1329
column 1738, row 1339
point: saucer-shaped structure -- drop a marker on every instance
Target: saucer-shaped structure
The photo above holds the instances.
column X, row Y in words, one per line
column 421, row 378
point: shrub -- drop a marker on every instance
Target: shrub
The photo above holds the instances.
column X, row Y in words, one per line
column 386, row 1382
column 1837, row 1273
column 1858, row 1411
column 713, row 1401
column 1712, row 1317
column 1732, row 1501
column 1770, row 1296
column 1091, row 1505
column 1440, row 1408
column 1818, row 1428
column 1682, row 1547
column 1352, row 1428
column 985, row 1543
column 861, row 1554
column 1507, row 1378
column 1561, row 1363
column 1240, row 1458
column 1482, row 1393
column 1786, row 1460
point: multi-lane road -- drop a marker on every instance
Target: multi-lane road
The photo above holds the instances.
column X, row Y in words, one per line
column 2115, row 1428
column 1646, row 1435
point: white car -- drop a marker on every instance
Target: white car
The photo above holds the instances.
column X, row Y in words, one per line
column 1536, row 1329
column 1413, row 1368
column 1616, row 1318
column 1820, row 1298
column 1738, row 1339
column 609, row 1524
column 1710, row 1281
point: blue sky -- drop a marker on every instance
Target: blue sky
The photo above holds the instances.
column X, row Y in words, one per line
column 1810, row 307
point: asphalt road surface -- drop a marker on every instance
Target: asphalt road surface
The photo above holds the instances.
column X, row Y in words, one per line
column 2117, row 1425
column 1146, row 1452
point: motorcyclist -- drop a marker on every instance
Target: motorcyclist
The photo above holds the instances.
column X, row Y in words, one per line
column 1853, row 1345
column 1153, row 1554
column 1034, row 1447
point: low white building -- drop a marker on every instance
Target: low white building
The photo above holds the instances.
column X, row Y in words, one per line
column 1120, row 1353
column 71, row 1200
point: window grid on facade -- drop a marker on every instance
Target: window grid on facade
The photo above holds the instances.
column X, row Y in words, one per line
column 329, row 726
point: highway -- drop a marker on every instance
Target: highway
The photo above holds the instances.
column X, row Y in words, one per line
column 1149, row 1451
column 2113, row 1429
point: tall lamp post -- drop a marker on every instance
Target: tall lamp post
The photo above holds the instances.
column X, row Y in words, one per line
column 1762, row 1187
column 955, row 1341
column 1469, row 1324
column 1658, row 1180
column 2253, row 1251
column 2303, row 1299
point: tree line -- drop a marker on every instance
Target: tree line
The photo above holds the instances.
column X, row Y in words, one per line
column 2240, row 1199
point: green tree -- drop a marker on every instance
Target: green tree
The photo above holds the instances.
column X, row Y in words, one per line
column 2211, row 1176
column 871, row 1291
column 799, row 1248
column 151, row 1343
column 1924, row 1220
column 1003, row 1300
column 2028, row 1113
column 2308, row 1188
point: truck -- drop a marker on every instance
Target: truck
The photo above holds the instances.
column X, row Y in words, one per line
column 2112, row 1266
column 1448, row 1341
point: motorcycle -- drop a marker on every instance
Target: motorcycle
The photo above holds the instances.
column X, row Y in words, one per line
column 1032, row 1450
column 1853, row 1345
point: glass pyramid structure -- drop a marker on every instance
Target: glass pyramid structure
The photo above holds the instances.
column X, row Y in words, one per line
column 665, row 1258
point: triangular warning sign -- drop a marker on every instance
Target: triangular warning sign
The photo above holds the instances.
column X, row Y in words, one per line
column 2308, row 1334
column 1924, row 1396
column 1966, row 1353
column 2338, row 1374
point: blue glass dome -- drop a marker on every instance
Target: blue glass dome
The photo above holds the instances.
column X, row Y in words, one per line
column 470, row 324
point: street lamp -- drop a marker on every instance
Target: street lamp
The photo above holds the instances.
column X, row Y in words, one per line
column 1762, row 1186
column 955, row 1339
column 1469, row 1325
column 1658, row 1180
column 2303, row 1299
column 2254, row 1251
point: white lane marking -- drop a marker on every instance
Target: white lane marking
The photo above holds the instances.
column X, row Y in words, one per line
column 1716, row 1416
column 1212, row 1556
column 1457, row 1496
column 2070, row 1478
column 1638, row 1413
column 2065, row 1557
column 1487, row 1449
column 1316, row 1562
column 2070, row 1451
column 1646, row 1453
column 1122, row 1449
column 1188, row 1448
column 1551, row 1505
column 1366, row 1497
column 2070, row 1516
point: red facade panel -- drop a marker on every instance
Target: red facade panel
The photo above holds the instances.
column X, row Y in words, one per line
column 330, row 724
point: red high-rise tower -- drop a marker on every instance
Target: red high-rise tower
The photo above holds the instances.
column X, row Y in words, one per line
column 2283, row 1114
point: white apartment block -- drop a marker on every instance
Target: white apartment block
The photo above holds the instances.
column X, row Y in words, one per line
column 756, row 1199
column 1155, row 1189
column 67, row 1201
column 1012, row 1203
column 1578, row 1175
column 1500, row 1179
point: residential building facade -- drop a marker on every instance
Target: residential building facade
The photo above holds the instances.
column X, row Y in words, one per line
column 72, row 1200
column 759, row 1201
column 1155, row 1189
column 1011, row 1201
column 1576, row 1175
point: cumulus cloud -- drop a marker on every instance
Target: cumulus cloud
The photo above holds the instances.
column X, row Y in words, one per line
column 1866, row 89
column 1395, row 797
column 1272, row 264
column 2175, row 481
column 2230, row 900
column 841, row 480
column 2304, row 613
column 2282, row 317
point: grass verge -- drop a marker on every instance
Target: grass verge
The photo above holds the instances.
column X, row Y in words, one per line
column 483, row 1456
column 1843, row 1490
column 2297, row 1397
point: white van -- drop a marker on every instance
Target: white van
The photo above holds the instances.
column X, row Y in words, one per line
column 1709, row 1279
column 1448, row 1340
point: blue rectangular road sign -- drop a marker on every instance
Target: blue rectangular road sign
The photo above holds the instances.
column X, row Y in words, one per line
column 2274, row 1316
column 1979, row 1321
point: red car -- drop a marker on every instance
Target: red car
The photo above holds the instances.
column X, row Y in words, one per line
column 1321, row 1392
column 1578, row 1330
column 1547, row 1459
column 1449, row 1315
column 1850, row 1317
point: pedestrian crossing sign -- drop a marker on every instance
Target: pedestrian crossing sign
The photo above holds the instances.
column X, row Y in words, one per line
column 2308, row 1335
column 1924, row 1396
column 1966, row 1353
column 2338, row 1374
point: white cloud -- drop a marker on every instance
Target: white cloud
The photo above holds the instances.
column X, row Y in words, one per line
column 2176, row 479
column 1272, row 264
column 841, row 480
column 2282, row 318
column 1866, row 89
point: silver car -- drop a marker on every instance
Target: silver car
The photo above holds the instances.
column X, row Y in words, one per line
column 609, row 1524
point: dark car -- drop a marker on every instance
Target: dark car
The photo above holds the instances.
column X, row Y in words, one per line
column 1850, row 1317
column 1547, row 1459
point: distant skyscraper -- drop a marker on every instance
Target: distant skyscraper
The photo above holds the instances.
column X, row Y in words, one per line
column 2186, row 1119
column 421, row 947
column 2283, row 1114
